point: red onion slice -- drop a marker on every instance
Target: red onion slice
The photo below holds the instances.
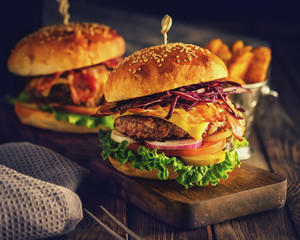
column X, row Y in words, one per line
column 183, row 144
column 119, row 137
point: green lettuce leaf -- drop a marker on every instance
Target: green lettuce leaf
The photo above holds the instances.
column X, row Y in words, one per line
column 22, row 97
column 188, row 175
column 240, row 144
column 79, row 120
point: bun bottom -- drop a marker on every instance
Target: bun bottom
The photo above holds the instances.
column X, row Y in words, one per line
column 129, row 171
column 30, row 114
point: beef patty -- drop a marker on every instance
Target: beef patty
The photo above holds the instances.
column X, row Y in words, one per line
column 150, row 128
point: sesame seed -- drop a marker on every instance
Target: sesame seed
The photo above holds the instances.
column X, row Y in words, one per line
column 160, row 53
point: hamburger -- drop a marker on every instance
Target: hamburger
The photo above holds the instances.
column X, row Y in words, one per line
column 66, row 68
column 173, row 116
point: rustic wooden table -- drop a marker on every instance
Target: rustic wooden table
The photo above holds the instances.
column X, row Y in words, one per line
column 275, row 136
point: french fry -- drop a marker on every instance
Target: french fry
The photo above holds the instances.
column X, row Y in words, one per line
column 214, row 45
column 224, row 53
column 257, row 71
column 245, row 64
column 237, row 46
column 219, row 48
column 239, row 63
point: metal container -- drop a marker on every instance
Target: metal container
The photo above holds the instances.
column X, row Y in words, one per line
column 249, row 103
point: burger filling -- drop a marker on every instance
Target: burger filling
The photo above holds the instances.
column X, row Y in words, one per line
column 187, row 128
column 153, row 128
column 71, row 96
column 82, row 87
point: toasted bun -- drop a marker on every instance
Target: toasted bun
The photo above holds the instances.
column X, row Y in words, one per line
column 31, row 115
column 160, row 68
column 59, row 48
column 129, row 171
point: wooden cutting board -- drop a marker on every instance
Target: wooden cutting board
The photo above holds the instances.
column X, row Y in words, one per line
column 248, row 190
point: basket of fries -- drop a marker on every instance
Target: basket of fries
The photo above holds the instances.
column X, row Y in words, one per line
column 248, row 66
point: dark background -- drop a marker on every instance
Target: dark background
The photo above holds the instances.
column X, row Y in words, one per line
column 277, row 21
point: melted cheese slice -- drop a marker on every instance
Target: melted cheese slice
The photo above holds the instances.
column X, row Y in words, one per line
column 194, row 131
column 194, row 122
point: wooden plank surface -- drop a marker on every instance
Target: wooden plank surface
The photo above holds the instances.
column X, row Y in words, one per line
column 284, row 155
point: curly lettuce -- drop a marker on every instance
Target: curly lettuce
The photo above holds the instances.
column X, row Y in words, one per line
column 72, row 118
column 188, row 175
column 79, row 120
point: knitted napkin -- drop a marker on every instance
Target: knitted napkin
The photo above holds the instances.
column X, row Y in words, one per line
column 37, row 198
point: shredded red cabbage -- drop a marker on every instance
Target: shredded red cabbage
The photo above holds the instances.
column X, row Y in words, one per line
column 188, row 97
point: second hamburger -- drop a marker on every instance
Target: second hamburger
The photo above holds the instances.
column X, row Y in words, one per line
column 66, row 68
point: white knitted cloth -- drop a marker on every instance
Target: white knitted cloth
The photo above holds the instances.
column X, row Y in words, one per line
column 36, row 192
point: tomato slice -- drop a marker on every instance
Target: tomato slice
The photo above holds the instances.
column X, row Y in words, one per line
column 204, row 160
column 205, row 149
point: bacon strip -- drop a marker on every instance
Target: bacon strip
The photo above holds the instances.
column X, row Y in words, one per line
column 112, row 63
column 105, row 110
column 87, row 84
column 82, row 86
column 237, row 126
column 44, row 83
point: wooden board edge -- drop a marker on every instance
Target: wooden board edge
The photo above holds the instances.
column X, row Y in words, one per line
column 191, row 216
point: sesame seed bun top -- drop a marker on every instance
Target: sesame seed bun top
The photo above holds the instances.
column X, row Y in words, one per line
column 160, row 68
column 59, row 48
